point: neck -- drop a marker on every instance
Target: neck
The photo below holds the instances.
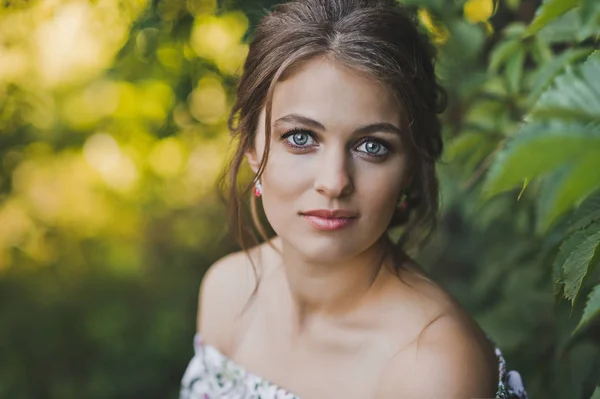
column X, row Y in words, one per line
column 333, row 288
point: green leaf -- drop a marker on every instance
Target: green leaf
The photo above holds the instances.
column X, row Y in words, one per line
column 565, row 28
column 567, row 247
column 514, row 70
column 538, row 149
column 570, row 185
column 546, row 73
column 596, row 394
column 463, row 48
column 513, row 5
column 515, row 30
column 576, row 266
column 589, row 11
column 548, row 11
column 468, row 150
column 486, row 115
column 574, row 95
column 541, row 53
column 595, row 56
column 550, row 189
column 463, row 144
column 591, row 311
column 587, row 213
column 585, row 221
column 569, row 29
column 525, row 184
column 502, row 52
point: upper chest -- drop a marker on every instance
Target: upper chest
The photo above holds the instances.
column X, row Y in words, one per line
column 322, row 367
column 344, row 359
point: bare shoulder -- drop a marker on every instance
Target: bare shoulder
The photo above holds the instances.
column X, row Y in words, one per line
column 450, row 357
column 225, row 290
column 448, row 360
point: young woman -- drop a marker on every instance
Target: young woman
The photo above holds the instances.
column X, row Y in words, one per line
column 336, row 116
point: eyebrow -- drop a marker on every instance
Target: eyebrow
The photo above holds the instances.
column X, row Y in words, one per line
column 313, row 124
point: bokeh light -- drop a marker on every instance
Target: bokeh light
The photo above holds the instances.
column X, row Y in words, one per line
column 208, row 101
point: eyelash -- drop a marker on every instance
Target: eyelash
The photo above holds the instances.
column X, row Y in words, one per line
column 291, row 132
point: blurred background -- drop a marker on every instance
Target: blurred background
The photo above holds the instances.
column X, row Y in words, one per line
column 113, row 131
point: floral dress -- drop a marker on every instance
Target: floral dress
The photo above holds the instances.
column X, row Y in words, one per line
column 210, row 375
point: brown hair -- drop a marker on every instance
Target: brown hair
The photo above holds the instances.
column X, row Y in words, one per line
column 378, row 38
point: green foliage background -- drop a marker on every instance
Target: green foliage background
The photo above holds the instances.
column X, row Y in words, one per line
column 112, row 133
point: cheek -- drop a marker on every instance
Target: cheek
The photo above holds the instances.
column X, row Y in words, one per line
column 285, row 179
column 381, row 188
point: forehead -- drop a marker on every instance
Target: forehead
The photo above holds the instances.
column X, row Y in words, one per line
column 334, row 94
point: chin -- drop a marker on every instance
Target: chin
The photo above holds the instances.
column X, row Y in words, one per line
column 326, row 253
column 326, row 247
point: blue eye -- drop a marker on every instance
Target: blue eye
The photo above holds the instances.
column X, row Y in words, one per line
column 373, row 148
column 298, row 138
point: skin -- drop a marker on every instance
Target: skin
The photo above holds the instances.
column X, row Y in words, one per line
column 332, row 318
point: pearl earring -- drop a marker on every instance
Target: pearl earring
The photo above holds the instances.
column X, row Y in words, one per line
column 257, row 189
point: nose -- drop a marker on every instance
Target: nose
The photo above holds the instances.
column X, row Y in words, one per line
column 332, row 177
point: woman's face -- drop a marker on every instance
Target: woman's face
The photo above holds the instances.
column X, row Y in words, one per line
column 335, row 145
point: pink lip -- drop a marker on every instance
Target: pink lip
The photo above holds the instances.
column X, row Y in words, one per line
column 329, row 223
column 330, row 213
column 326, row 219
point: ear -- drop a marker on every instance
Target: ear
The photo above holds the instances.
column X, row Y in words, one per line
column 253, row 160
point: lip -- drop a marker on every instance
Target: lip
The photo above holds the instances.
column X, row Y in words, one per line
column 330, row 213
column 330, row 219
